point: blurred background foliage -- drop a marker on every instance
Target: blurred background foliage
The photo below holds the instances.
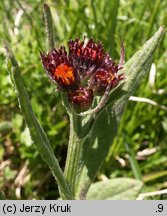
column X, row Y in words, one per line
column 140, row 149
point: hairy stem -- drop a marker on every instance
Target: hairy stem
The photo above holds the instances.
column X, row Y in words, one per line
column 74, row 150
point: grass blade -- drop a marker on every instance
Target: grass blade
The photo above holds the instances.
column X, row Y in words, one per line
column 153, row 17
column 112, row 27
column 133, row 162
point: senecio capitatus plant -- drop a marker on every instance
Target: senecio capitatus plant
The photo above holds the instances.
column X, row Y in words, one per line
column 94, row 90
column 83, row 73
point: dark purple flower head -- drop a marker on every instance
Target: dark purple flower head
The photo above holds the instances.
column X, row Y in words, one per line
column 85, row 56
column 85, row 68
column 81, row 99
column 59, row 69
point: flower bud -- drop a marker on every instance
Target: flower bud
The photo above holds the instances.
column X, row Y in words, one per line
column 81, row 99
column 103, row 78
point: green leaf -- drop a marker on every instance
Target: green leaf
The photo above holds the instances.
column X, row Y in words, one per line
column 115, row 189
column 97, row 143
column 49, row 27
column 37, row 133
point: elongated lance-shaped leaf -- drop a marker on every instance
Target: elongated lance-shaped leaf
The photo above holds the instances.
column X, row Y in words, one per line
column 98, row 141
column 49, row 27
column 37, row 133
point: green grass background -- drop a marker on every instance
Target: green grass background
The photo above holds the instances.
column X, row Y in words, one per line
column 23, row 174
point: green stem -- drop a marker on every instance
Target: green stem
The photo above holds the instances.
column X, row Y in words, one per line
column 73, row 154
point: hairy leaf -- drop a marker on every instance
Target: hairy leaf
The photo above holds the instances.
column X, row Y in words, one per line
column 98, row 141
column 37, row 133
column 115, row 189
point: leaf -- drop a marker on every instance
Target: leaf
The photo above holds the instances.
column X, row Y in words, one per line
column 98, row 141
column 115, row 189
column 49, row 27
column 37, row 133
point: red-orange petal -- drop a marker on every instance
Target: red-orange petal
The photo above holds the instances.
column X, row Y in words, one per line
column 64, row 75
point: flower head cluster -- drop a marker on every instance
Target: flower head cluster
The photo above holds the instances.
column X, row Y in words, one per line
column 85, row 71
